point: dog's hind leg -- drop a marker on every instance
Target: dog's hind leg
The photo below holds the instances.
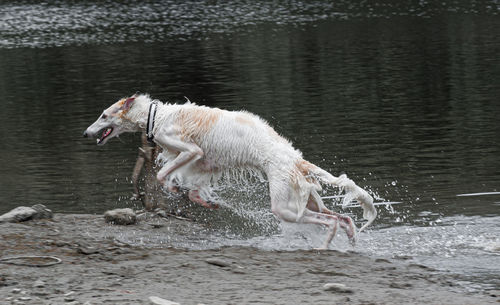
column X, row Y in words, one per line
column 315, row 203
column 194, row 196
column 353, row 192
column 329, row 221
column 287, row 206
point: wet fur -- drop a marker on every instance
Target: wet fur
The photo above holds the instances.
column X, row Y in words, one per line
column 202, row 144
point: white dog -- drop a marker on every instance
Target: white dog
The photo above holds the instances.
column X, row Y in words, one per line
column 201, row 144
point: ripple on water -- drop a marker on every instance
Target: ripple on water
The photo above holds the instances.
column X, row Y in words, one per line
column 57, row 23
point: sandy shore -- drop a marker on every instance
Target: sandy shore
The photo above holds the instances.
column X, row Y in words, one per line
column 98, row 268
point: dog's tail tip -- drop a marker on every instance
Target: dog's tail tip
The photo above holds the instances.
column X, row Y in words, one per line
column 369, row 213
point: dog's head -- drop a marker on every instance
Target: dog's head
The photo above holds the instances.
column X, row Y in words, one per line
column 113, row 121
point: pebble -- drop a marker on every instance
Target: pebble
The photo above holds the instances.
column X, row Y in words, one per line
column 18, row 214
column 16, row 290
column 87, row 250
column 400, row 285
column 218, row 262
column 42, row 212
column 41, row 293
column 22, row 213
column 120, row 216
column 336, row 287
column 159, row 301
column 39, row 284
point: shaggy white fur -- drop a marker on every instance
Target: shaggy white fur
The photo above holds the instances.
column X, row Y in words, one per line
column 201, row 145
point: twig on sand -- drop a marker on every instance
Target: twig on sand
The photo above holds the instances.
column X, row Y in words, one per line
column 11, row 260
column 178, row 217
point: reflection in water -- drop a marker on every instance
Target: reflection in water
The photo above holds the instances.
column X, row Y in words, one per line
column 404, row 98
column 57, row 23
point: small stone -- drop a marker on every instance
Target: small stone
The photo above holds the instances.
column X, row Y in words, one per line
column 161, row 213
column 39, row 284
column 41, row 293
column 15, row 290
column 42, row 212
column 336, row 287
column 87, row 250
column 120, row 216
column 157, row 225
column 400, row 285
column 24, row 299
column 218, row 262
column 18, row 214
column 239, row 271
column 22, row 213
column 159, row 301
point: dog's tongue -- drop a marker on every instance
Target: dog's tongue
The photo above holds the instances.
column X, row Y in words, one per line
column 105, row 134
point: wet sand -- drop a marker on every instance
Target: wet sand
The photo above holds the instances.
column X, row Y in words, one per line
column 99, row 268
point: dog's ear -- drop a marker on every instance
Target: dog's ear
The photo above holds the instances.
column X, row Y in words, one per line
column 128, row 103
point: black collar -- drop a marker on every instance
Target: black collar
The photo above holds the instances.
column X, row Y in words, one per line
column 151, row 121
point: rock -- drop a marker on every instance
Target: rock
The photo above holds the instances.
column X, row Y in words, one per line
column 336, row 287
column 400, row 285
column 39, row 284
column 161, row 213
column 120, row 216
column 40, row 293
column 16, row 290
column 69, row 299
column 87, row 250
column 22, row 213
column 18, row 214
column 159, row 301
column 42, row 212
column 218, row 262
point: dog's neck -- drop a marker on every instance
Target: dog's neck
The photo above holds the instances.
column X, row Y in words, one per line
column 138, row 113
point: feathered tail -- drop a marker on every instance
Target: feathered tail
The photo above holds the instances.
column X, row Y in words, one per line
column 352, row 192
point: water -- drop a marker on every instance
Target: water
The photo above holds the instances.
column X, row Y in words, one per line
column 402, row 97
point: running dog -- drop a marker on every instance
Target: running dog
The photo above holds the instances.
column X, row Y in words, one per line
column 202, row 144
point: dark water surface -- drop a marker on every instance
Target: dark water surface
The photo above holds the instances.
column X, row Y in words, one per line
column 403, row 98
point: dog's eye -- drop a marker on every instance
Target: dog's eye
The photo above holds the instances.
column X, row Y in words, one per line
column 104, row 116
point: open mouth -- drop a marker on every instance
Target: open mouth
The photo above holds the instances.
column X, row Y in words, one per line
column 105, row 134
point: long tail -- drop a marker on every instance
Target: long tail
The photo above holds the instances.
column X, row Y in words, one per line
column 353, row 192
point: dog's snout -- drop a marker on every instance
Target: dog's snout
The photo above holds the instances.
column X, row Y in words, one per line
column 85, row 134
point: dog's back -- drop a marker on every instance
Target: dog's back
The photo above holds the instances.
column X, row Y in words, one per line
column 232, row 139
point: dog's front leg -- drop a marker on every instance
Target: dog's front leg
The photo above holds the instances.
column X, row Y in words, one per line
column 187, row 152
